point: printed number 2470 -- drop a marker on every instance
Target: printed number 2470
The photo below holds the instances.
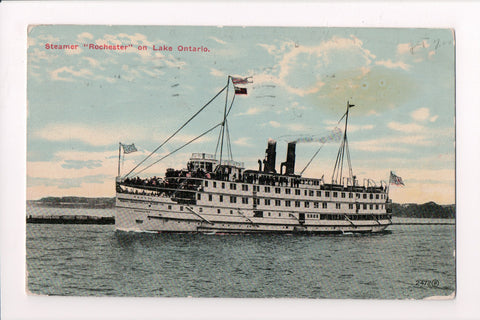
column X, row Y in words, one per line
column 427, row 283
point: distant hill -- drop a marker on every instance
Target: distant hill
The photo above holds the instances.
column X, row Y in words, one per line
column 409, row 210
column 74, row 202
column 426, row 210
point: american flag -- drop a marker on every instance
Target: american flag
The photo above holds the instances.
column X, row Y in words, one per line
column 396, row 180
column 240, row 90
column 129, row 148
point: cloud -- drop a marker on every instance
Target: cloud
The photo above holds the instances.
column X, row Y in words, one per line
column 57, row 73
column 301, row 69
column 218, row 40
column 79, row 164
column 108, row 135
column 244, row 141
column 251, row 111
column 217, row 73
column 405, row 127
column 393, row 65
column 423, row 114
column 84, row 35
column 274, row 124
column 66, row 183
column 93, row 62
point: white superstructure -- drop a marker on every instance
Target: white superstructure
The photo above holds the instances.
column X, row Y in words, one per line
column 220, row 196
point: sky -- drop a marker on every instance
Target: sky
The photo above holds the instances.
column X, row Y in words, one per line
column 82, row 102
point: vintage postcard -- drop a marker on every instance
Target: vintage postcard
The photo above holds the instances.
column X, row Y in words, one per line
column 241, row 162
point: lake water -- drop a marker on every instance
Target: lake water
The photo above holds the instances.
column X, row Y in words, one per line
column 409, row 261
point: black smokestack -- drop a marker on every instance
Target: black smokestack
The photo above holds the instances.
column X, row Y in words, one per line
column 290, row 163
column 270, row 156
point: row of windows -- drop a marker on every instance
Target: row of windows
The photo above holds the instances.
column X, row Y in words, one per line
column 288, row 203
column 310, row 193
column 309, row 215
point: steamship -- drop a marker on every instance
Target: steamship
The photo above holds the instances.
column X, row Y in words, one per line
column 214, row 195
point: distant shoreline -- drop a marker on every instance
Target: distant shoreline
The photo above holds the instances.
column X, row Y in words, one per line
column 429, row 210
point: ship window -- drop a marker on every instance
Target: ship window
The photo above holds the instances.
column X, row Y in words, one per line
column 206, row 183
column 307, row 204
column 315, row 204
column 327, row 193
column 311, row 193
column 364, row 196
column 199, row 196
column 376, row 196
column 244, row 187
column 287, row 203
column 181, row 208
column 335, row 194
column 364, row 206
column 223, row 185
column 233, row 199
column 319, row 193
column 214, row 184
column 297, row 204
column 337, row 205
column 288, row 191
column 220, row 198
column 258, row 214
column 324, row 205
column 209, row 197
column 277, row 203
column 297, row 192
column 267, row 189
column 343, row 194
column 277, row 190
column 267, row 202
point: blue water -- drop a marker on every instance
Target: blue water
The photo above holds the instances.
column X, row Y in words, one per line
column 94, row 260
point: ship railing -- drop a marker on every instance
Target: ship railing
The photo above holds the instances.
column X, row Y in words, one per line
column 202, row 156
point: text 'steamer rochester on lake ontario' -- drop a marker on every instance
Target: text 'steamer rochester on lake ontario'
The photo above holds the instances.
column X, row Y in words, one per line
column 215, row 194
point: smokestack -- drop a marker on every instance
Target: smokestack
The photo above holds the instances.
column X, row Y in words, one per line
column 270, row 157
column 290, row 163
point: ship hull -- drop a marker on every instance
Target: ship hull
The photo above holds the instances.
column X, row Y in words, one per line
column 152, row 214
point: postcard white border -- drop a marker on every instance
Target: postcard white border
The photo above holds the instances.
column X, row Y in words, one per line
column 16, row 16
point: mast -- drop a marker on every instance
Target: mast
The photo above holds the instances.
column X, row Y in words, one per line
column 343, row 152
column 119, row 151
column 224, row 121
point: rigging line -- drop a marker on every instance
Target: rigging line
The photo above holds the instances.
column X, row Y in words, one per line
column 201, row 109
column 312, row 159
column 229, row 142
column 220, row 132
column 218, row 142
column 186, row 144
